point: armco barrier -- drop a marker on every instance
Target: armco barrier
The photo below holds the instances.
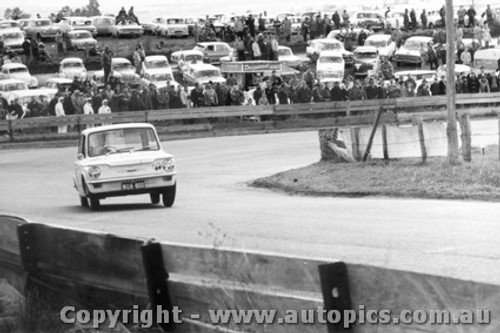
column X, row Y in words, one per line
column 276, row 117
column 97, row 270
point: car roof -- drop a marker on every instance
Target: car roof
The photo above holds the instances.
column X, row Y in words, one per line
column 156, row 57
column 422, row 38
column 202, row 66
column 59, row 79
column 188, row 52
column 284, row 47
column 28, row 92
column 415, row 72
column 116, row 126
column 10, row 30
column 366, row 49
column 72, row 59
column 330, row 53
column 74, row 32
column 379, row 37
column 120, row 60
column 327, row 41
column 14, row 65
column 7, row 81
column 211, row 43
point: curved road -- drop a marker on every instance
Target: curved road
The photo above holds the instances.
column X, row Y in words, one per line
column 215, row 207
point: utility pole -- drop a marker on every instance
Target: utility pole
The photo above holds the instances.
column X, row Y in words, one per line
column 451, row 129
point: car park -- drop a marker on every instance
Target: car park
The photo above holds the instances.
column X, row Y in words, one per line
column 120, row 160
column 13, row 39
column 330, row 66
column 103, row 24
column 368, row 19
column 72, row 67
column 366, row 61
column 80, row 40
column 213, row 51
column 409, row 53
column 122, row 69
column 70, row 23
column 127, row 30
column 39, row 28
column 202, row 74
column 383, row 43
column 18, row 71
column 156, row 64
column 317, row 46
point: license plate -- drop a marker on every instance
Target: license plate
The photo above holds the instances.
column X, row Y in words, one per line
column 133, row 186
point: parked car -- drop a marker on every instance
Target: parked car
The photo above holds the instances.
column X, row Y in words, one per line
column 330, row 66
column 180, row 59
column 9, row 85
column 171, row 27
column 286, row 56
column 213, row 51
column 80, row 40
column 24, row 98
column 19, row 71
column 383, row 43
column 8, row 24
column 72, row 67
column 53, row 84
column 409, row 53
column 127, row 30
column 368, row 19
column 120, row 160
column 487, row 58
column 202, row 74
column 418, row 75
column 366, row 60
column 39, row 28
column 156, row 64
column 158, row 79
column 122, row 69
column 13, row 38
column 103, row 24
column 316, row 46
column 395, row 19
column 70, row 23
column 296, row 22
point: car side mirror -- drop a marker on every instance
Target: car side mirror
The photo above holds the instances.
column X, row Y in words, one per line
column 79, row 156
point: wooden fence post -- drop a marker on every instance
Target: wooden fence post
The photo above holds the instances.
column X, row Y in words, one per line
column 421, row 139
column 336, row 294
column 355, row 143
column 11, row 131
column 79, row 124
column 157, row 276
column 384, row 142
column 372, row 134
column 465, row 136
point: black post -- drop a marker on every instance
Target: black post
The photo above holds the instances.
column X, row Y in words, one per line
column 11, row 131
column 157, row 277
column 336, row 295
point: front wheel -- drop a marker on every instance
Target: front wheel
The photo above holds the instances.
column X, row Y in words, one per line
column 169, row 196
column 84, row 202
column 95, row 204
column 155, row 198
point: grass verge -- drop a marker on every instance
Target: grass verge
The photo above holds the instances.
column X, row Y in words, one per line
column 408, row 178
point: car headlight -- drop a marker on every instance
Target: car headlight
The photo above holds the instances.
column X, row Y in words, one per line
column 94, row 172
column 168, row 164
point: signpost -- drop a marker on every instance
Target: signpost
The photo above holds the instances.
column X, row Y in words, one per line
column 451, row 129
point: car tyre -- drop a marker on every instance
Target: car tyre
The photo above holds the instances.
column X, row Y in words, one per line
column 155, row 198
column 84, row 202
column 169, row 195
column 95, row 203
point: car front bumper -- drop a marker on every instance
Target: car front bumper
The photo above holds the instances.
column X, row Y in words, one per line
column 114, row 187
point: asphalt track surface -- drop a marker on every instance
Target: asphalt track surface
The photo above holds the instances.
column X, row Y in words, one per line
column 215, row 207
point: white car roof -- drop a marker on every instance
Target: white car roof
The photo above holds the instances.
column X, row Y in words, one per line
column 116, row 126
column 10, row 30
column 212, row 43
column 188, row 52
column 74, row 59
column 330, row 53
column 120, row 60
column 487, row 54
column 59, row 79
column 9, row 81
column 280, row 47
column 13, row 65
column 366, row 49
column 28, row 93
column 74, row 32
column 203, row 66
column 155, row 57
column 327, row 41
column 420, row 38
column 378, row 37
column 415, row 72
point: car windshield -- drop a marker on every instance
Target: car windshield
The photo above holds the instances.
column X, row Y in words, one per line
column 13, row 35
column 43, row 23
column 122, row 66
column 284, row 52
column 162, row 77
column 157, row 64
column 376, row 43
column 328, row 60
column 14, row 86
column 122, row 141
column 175, row 21
column 207, row 73
column 17, row 70
column 413, row 44
column 81, row 22
column 366, row 55
column 82, row 35
column 195, row 57
column 331, row 46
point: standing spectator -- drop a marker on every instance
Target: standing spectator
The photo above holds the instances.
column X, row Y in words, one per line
column 163, row 99
column 270, row 93
column 484, row 86
column 197, row 96
column 357, row 92
column 442, row 13
column 256, row 51
column 345, row 18
column 250, row 23
column 34, row 49
column 489, row 16
column 471, row 13
column 466, row 58
column 478, row 35
column 60, row 43
column 274, row 49
column 283, row 94
column 59, row 110
column 461, row 16
column 184, row 96
column 145, row 97
column 423, row 18
column 305, row 28
column 434, row 88
column 413, row 19
column 34, row 108
column 423, row 55
column 381, row 90
column 15, row 110
column 362, row 37
column 137, row 59
column 135, row 101
column 27, row 51
column 106, row 63
column 287, row 28
column 210, row 96
column 304, row 94
column 317, row 96
column 327, row 24
column 336, row 93
column 406, row 20
column 104, row 109
column 336, row 20
column 432, row 57
column 473, row 83
column 309, row 78
column 486, row 36
column 409, row 90
column 239, row 46
column 261, row 23
column 314, row 29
